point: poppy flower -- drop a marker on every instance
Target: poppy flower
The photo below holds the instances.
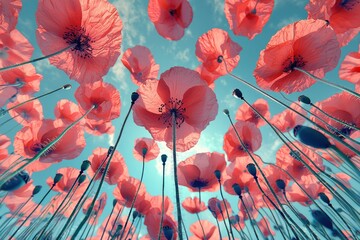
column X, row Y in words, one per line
column 170, row 17
column 265, row 227
column 211, row 231
column 93, row 29
column 6, row 94
column 152, row 149
column 156, row 202
column 193, row 205
column 342, row 16
column 250, row 205
column 126, row 190
column 104, row 96
column 180, row 91
column 97, row 209
column 217, row 207
column 4, row 144
column 67, row 208
column 309, row 45
column 15, row 48
column 98, row 129
column 141, row 64
column 197, row 172
column 30, row 111
column 350, row 68
column 152, row 223
column 23, row 212
column 250, row 136
column 145, row 205
column 214, row 45
column 246, row 114
column 32, row 138
column 117, row 168
column 247, row 18
column 21, row 194
column 293, row 166
column 25, row 77
column 114, row 231
column 67, row 111
column 9, row 13
column 207, row 76
column 287, row 119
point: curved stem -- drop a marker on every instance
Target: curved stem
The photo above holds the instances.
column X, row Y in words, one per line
column 227, row 212
column 346, row 159
column 107, row 222
column 250, row 218
column 217, row 223
column 202, row 228
column 224, row 221
column 162, row 200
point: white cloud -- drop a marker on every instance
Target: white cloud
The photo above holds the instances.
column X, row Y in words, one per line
column 119, row 76
column 111, row 139
column 230, row 102
column 184, row 55
column 217, row 6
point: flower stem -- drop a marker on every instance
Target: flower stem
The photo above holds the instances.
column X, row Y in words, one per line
column 162, row 200
column 202, row 228
column 226, row 209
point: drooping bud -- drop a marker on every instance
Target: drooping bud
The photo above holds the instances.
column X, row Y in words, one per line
column 36, row 190
column 144, row 151
column 304, row 99
column 135, row 214
column 85, row 165
column 304, row 219
column 237, row 93
column 163, row 158
column 237, row 189
column 311, row 137
column 217, row 174
column 322, row 218
column 57, row 178
column 251, row 169
column 82, row 178
column 280, row 184
column 168, row 232
column 226, row 111
column 67, row 86
column 324, row 198
column 134, row 97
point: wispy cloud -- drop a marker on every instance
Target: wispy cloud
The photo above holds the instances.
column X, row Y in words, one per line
column 119, row 76
column 285, row 22
column 183, row 55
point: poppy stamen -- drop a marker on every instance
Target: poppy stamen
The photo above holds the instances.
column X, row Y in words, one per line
column 167, row 109
column 349, row 4
column 82, row 41
column 290, row 64
column 172, row 12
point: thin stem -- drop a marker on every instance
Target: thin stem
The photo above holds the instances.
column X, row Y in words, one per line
column 227, row 212
column 346, row 159
column 217, row 223
column 224, row 221
column 38, row 59
column 162, row 200
column 250, row 218
column 107, row 222
column 202, row 228
column 186, row 234
column 178, row 208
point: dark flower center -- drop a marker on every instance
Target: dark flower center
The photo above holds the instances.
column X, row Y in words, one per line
column 82, row 41
column 37, row 147
column 173, row 106
column 349, row 4
column 172, row 12
column 199, row 183
column 290, row 64
column 247, row 146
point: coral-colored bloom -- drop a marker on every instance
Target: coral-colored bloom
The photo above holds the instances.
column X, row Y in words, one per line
column 34, row 137
column 343, row 16
column 117, row 168
column 170, row 17
column 97, row 209
column 180, row 91
column 287, row 119
column 15, row 48
column 145, row 205
column 6, row 94
column 307, row 44
column 93, row 28
column 27, row 113
column 67, row 111
column 245, row 113
column 350, row 68
column 126, row 190
column 156, row 202
column 211, row 231
column 20, row 195
column 4, row 144
column 214, row 44
column 207, row 76
column 152, row 222
column 217, row 208
column 115, row 231
column 197, row 171
column 98, row 129
column 193, row 205
column 9, row 13
column 249, row 134
column 152, row 149
column 141, row 64
column 104, row 96
column 265, row 227
column 247, row 18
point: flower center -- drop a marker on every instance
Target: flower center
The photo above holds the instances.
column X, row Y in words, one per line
column 290, row 64
column 349, row 4
column 82, row 41
column 172, row 12
column 173, row 106
column 247, row 146
column 199, row 183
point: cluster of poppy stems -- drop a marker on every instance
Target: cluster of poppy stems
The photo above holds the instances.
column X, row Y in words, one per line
column 175, row 109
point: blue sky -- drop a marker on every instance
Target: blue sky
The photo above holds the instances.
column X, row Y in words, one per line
column 138, row 30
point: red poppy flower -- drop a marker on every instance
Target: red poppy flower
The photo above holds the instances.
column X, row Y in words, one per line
column 246, row 114
column 106, row 98
column 20, row 195
column 98, row 129
column 170, row 17
column 145, row 205
column 207, row 76
column 214, row 44
column 211, row 231
column 156, row 202
column 126, row 190
column 247, row 18
column 15, row 48
column 27, row 113
column 34, row 137
column 4, row 144
column 152, row 222
column 265, row 227
column 6, row 94
column 197, row 171
column 66, row 209
column 117, row 168
column 193, row 205
column 97, row 209
column 250, row 204
column 25, row 76
column 152, row 149
column 342, row 16
column 350, row 68
column 287, row 119
column 114, row 231
column 9, row 13
column 289, row 163
column 93, row 28
column 307, row 44
column 183, row 92
column 67, row 111
column 141, row 64
column 217, row 207
column 250, row 136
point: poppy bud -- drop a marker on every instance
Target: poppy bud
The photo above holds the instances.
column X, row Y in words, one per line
column 280, row 184
column 57, row 178
column 36, row 190
column 220, row 59
column 134, row 97
column 324, row 198
column 304, row 219
column 237, row 189
column 110, row 150
column 135, row 214
column 163, row 158
column 217, row 174
column 168, row 232
column 251, row 169
column 67, row 86
column 304, row 99
column 85, row 165
column 82, row 178
column 114, row 202
column 322, row 218
column 237, row 93
column 311, row 137
column 144, row 151
column 226, row 111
